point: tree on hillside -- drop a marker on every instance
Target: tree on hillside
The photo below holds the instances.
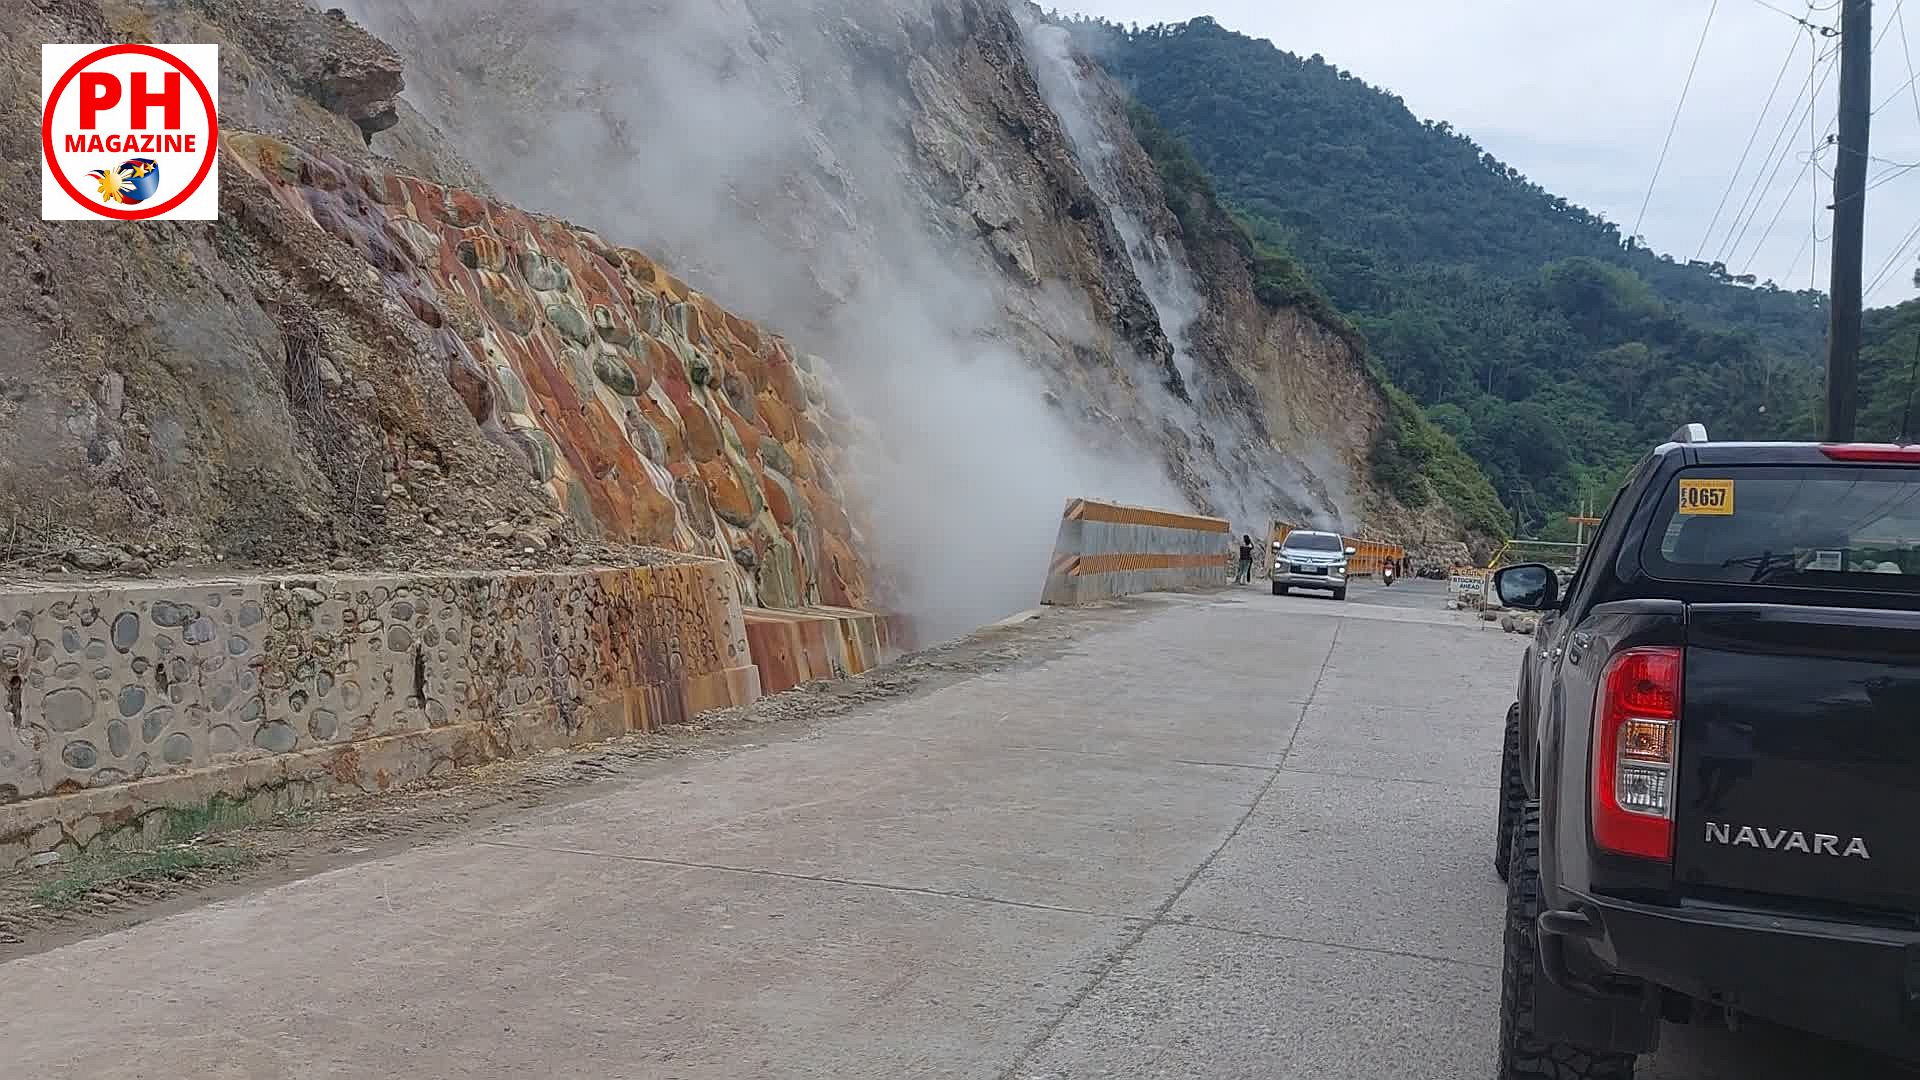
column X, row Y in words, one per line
column 1549, row 345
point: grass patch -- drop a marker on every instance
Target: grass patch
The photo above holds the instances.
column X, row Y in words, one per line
column 104, row 871
column 216, row 815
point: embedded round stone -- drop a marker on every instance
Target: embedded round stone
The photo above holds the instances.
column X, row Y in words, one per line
column 323, row 725
column 169, row 614
column 80, row 754
column 177, row 750
column 68, row 709
column 119, row 738
column 156, row 724
column 278, row 737
column 132, row 700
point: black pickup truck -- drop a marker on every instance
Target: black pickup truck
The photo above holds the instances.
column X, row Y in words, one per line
column 1710, row 790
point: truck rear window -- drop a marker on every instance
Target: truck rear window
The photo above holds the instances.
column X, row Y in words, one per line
column 1836, row 527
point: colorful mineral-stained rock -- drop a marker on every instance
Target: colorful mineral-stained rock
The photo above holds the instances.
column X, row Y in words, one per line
column 647, row 410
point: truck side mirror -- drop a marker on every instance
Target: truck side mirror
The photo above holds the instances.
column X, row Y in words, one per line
column 1351, row 552
column 1528, row 587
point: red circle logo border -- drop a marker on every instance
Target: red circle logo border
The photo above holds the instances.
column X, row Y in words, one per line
column 206, row 100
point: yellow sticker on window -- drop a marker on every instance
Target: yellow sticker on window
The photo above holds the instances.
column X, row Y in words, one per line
column 1706, row 497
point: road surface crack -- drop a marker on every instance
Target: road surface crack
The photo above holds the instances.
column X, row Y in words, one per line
column 1113, row 960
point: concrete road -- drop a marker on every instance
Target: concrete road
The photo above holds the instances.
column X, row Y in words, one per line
column 1239, row 836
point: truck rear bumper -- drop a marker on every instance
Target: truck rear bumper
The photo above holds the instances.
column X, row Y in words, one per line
column 1858, row 984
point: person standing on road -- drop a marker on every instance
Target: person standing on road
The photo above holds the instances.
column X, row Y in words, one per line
column 1246, row 560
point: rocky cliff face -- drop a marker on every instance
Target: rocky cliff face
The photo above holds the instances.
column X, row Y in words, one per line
column 377, row 356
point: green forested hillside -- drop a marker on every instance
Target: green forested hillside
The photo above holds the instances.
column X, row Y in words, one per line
column 1890, row 374
column 1549, row 346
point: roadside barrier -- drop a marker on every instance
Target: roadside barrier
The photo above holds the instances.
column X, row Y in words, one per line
column 1107, row 549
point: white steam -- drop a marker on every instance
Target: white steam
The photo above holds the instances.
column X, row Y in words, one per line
column 1239, row 444
column 770, row 163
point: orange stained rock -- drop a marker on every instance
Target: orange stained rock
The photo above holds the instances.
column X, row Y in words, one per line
column 729, row 496
column 778, row 502
column 712, row 319
column 664, row 361
column 743, row 331
column 744, row 429
column 486, row 250
column 593, row 281
column 672, row 434
column 436, row 243
column 644, row 270
column 813, row 433
column 598, row 457
column 463, row 208
column 803, row 463
column 784, row 379
column 777, row 417
column 840, row 580
column 703, row 437
column 828, row 514
column 510, row 308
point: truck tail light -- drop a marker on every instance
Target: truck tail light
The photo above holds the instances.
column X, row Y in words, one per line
column 1635, row 753
column 1883, row 453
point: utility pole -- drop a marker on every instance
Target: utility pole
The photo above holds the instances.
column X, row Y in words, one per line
column 1849, row 217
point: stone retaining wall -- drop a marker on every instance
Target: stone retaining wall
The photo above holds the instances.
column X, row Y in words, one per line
column 1106, row 550
column 123, row 700
column 800, row 645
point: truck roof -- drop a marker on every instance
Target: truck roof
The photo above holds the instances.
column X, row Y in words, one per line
column 1791, row 453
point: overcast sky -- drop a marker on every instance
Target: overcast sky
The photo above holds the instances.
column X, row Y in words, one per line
column 1579, row 95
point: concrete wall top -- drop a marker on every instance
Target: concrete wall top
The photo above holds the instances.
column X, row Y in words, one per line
column 1121, row 514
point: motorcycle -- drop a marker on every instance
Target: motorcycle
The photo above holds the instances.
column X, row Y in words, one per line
column 1387, row 574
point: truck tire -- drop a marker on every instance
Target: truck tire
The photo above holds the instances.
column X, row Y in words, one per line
column 1340, row 593
column 1513, row 793
column 1523, row 1056
column 1279, row 589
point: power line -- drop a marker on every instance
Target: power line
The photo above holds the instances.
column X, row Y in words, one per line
column 1813, row 188
column 1781, row 209
column 1907, row 51
column 1825, row 31
column 1758, row 122
column 1899, row 254
column 1756, row 189
column 1763, row 190
column 1675, row 124
column 1731, row 249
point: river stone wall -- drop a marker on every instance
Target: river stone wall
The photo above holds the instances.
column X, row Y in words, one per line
column 123, row 700
column 1106, row 550
column 644, row 409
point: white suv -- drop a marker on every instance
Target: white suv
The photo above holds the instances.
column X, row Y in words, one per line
column 1311, row 560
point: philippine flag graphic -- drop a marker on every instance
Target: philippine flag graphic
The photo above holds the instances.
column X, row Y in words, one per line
column 132, row 182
